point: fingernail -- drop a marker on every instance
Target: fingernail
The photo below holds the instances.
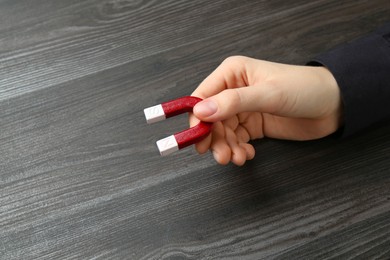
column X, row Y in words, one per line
column 205, row 108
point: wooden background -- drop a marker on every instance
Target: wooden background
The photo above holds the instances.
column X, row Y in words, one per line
column 81, row 177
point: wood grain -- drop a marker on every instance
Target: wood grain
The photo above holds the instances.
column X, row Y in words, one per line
column 81, row 178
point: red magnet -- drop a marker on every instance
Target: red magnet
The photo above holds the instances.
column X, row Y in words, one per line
column 184, row 138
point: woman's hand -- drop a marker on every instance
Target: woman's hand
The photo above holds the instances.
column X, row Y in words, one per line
column 249, row 99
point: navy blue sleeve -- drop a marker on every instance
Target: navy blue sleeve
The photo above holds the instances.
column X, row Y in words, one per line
column 362, row 71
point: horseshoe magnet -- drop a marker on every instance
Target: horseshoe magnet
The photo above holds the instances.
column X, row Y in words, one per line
column 181, row 139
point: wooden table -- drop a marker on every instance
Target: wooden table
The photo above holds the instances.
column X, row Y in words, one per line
column 81, row 177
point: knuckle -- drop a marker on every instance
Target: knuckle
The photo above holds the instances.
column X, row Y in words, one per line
column 233, row 60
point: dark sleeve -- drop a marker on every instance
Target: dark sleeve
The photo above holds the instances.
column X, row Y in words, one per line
column 362, row 71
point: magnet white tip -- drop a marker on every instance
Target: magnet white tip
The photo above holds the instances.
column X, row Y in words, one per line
column 154, row 114
column 167, row 145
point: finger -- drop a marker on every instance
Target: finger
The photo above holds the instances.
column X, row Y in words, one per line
column 219, row 147
column 193, row 120
column 242, row 134
column 238, row 156
column 249, row 149
column 230, row 74
column 252, row 123
column 232, row 122
column 204, row 145
column 230, row 102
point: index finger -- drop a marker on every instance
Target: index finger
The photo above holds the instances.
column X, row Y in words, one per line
column 230, row 74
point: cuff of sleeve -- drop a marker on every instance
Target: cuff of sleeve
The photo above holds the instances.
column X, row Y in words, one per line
column 361, row 69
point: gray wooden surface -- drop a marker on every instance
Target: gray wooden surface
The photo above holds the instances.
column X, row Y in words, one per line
column 81, row 177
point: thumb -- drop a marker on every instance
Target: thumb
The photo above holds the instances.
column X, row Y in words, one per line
column 230, row 102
